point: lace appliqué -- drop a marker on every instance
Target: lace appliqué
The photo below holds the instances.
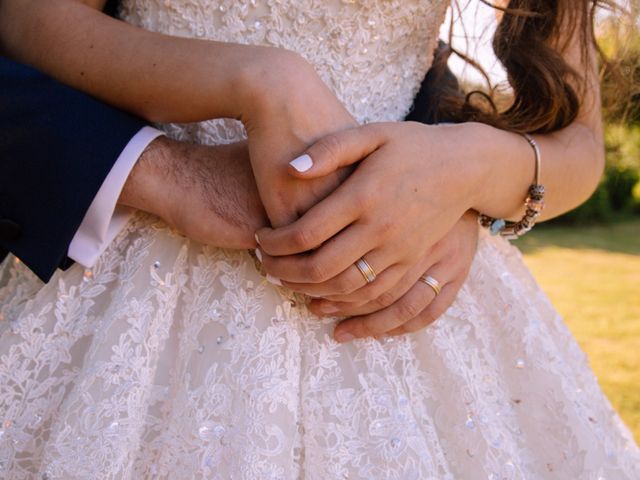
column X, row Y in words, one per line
column 174, row 360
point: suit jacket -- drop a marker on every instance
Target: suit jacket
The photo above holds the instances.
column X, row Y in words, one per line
column 57, row 145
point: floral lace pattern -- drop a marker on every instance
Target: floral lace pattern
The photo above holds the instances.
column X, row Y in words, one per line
column 373, row 54
column 174, row 360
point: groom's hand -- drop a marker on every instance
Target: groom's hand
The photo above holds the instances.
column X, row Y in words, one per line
column 208, row 193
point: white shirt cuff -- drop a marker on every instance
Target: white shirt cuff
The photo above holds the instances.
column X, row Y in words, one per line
column 104, row 218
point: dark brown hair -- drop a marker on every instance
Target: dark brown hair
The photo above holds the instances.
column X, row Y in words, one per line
column 529, row 41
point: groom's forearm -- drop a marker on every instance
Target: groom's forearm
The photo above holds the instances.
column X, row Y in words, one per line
column 146, row 187
column 206, row 192
column 170, row 174
column 158, row 77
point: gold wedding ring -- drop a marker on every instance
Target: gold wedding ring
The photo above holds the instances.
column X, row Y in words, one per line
column 366, row 270
column 435, row 285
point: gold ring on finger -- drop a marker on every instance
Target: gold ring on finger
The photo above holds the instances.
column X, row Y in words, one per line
column 435, row 285
column 366, row 270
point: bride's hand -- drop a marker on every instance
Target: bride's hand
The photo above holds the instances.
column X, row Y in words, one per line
column 291, row 108
column 415, row 183
column 411, row 304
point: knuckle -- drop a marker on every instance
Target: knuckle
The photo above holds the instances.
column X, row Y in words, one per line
column 362, row 199
column 366, row 295
column 344, row 286
column 385, row 299
column 301, row 239
column 386, row 226
column 408, row 310
column 367, row 328
column 329, row 148
column 316, row 271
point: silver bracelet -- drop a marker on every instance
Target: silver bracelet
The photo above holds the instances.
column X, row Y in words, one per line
column 534, row 204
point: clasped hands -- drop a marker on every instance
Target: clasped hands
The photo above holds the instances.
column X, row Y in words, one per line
column 404, row 208
column 397, row 194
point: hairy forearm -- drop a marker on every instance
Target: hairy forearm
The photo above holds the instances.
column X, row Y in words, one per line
column 157, row 77
column 146, row 187
column 206, row 192
column 168, row 168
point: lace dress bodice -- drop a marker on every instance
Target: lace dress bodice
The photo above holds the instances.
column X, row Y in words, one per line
column 373, row 54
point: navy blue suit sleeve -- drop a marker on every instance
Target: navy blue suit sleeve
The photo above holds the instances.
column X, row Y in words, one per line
column 57, row 146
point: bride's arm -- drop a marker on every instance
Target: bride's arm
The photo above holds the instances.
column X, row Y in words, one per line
column 275, row 93
column 484, row 168
column 391, row 215
column 157, row 77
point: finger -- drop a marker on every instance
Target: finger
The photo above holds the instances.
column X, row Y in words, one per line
column 322, row 264
column 377, row 295
column 430, row 314
column 403, row 278
column 322, row 222
column 352, row 280
column 364, row 292
column 406, row 308
column 337, row 150
column 386, row 275
column 382, row 297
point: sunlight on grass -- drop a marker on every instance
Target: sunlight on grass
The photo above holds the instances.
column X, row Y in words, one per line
column 592, row 275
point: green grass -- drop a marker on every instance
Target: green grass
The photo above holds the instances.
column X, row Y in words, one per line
column 592, row 275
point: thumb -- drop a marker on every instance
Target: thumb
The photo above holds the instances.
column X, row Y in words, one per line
column 337, row 150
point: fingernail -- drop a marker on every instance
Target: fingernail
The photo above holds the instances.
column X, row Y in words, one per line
column 258, row 254
column 302, row 163
column 274, row 280
column 257, row 239
column 327, row 308
column 344, row 337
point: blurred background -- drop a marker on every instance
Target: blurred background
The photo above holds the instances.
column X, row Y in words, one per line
column 588, row 261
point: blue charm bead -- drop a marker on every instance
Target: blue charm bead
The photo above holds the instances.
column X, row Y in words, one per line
column 497, row 226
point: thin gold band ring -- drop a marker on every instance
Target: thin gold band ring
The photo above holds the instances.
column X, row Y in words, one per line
column 366, row 270
column 435, row 285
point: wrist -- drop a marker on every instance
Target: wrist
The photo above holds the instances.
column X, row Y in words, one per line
column 266, row 79
column 469, row 162
column 497, row 168
column 144, row 189
column 485, row 163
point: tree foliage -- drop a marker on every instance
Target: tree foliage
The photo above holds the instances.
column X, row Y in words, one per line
column 619, row 39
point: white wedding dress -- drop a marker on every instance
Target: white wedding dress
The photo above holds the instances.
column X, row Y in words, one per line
column 174, row 360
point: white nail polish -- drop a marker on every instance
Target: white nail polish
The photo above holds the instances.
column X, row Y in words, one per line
column 258, row 254
column 274, row 280
column 257, row 239
column 302, row 163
